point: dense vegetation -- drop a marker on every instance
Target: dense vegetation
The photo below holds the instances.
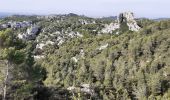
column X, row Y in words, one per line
column 134, row 66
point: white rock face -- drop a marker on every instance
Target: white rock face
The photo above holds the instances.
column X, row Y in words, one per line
column 103, row 47
column 32, row 30
column 72, row 88
column 40, row 46
column 38, row 57
column 110, row 28
column 50, row 42
column 85, row 22
column 30, row 34
column 79, row 35
column 61, row 41
column 128, row 17
column 57, row 37
column 85, row 85
column 74, row 59
column 71, row 34
column 83, row 88
column 14, row 24
column 74, row 34
column 133, row 26
column 21, row 36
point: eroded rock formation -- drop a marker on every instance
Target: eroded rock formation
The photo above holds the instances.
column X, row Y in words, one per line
column 126, row 17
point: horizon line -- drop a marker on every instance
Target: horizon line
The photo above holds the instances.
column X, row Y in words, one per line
column 8, row 13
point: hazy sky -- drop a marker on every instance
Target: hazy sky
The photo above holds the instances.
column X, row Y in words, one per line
column 94, row 8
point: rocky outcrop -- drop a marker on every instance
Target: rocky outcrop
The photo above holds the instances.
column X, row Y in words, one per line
column 30, row 34
column 103, row 47
column 74, row 59
column 41, row 45
column 36, row 57
column 126, row 17
column 16, row 25
column 85, row 88
column 60, row 38
column 110, row 28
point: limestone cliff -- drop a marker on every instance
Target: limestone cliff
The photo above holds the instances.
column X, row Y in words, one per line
column 126, row 17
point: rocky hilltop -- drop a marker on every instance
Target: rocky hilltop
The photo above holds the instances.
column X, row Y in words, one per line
column 126, row 17
column 72, row 57
column 58, row 29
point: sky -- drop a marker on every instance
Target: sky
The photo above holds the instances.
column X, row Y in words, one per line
column 92, row 8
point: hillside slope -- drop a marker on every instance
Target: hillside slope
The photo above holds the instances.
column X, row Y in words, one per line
column 70, row 58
